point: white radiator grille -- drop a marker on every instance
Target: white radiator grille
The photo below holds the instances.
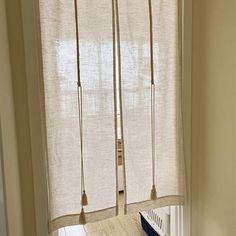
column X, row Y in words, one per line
column 166, row 221
column 159, row 220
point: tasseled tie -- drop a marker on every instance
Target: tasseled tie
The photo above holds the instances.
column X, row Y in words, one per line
column 153, row 193
column 84, row 199
column 82, row 219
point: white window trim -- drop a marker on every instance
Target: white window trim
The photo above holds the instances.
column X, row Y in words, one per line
column 31, row 32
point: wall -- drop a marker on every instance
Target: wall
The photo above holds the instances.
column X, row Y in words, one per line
column 214, row 118
column 17, row 58
column 9, row 144
column 3, row 215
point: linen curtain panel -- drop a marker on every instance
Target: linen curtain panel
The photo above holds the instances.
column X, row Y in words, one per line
column 111, row 68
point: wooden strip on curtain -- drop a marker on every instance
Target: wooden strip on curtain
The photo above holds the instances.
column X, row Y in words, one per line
column 136, row 74
column 58, row 33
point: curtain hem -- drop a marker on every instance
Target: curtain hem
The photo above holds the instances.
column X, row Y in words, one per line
column 152, row 204
column 91, row 217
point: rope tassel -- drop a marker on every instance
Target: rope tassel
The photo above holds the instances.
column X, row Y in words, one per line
column 84, row 199
column 153, row 194
column 82, row 218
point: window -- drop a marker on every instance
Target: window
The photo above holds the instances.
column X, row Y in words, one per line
column 71, row 14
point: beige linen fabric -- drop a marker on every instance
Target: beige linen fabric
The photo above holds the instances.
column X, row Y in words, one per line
column 96, row 65
column 61, row 109
column 136, row 96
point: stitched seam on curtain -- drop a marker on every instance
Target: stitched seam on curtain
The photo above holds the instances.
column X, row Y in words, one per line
column 152, row 204
column 42, row 102
column 91, row 217
column 181, row 68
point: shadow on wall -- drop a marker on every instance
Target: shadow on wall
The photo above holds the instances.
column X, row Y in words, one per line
column 3, row 220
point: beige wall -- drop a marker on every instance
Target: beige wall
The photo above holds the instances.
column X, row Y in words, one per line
column 214, row 118
column 9, row 144
column 17, row 57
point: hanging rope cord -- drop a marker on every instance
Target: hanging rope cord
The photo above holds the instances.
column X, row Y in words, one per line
column 115, row 100
column 117, row 31
column 153, row 125
column 84, row 201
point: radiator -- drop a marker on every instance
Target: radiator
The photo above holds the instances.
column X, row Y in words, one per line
column 166, row 221
column 156, row 222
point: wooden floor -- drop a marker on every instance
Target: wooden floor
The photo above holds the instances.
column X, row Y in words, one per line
column 121, row 225
column 117, row 226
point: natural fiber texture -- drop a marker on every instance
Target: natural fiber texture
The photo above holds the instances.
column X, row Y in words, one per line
column 58, row 33
column 73, row 219
column 153, row 99
column 159, row 202
column 115, row 97
column 82, row 220
column 84, row 200
column 118, row 55
column 129, row 87
column 153, row 195
column 136, row 74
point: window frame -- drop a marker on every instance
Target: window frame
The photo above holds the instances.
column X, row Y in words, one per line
column 33, row 62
